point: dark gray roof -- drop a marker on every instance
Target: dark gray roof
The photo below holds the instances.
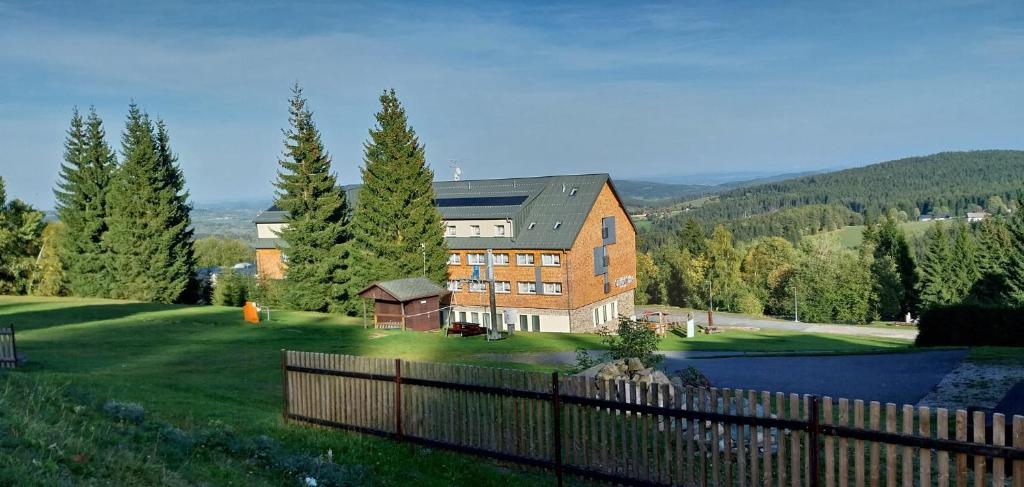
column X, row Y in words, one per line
column 409, row 288
column 270, row 243
column 540, row 201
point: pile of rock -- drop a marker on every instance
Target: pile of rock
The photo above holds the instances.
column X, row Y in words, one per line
column 626, row 369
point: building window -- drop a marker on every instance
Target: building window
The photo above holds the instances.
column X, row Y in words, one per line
column 552, row 288
column 499, row 230
column 604, row 233
column 551, row 260
column 454, row 259
column 536, row 323
column 477, row 286
column 527, row 287
column 474, row 317
column 524, row 322
column 524, row 259
column 476, row 259
column 284, row 257
column 500, row 259
column 454, row 285
column 597, row 317
column 462, row 316
column 604, row 314
column 449, row 231
column 615, row 310
column 503, row 287
column 474, row 230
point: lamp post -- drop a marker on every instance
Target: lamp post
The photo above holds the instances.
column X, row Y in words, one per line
column 423, row 248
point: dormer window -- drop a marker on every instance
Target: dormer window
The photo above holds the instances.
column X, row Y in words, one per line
column 474, row 230
column 449, row 231
column 499, row 230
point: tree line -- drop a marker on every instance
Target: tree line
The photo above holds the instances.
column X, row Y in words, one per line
column 334, row 250
column 123, row 228
column 884, row 278
column 949, row 182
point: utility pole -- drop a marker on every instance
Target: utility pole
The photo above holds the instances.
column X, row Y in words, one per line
column 796, row 310
column 710, row 306
column 492, row 333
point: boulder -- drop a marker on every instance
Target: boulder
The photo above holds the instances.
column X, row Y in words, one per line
column 634, row 364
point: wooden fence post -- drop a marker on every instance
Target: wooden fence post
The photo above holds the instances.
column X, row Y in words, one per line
column 556, row 425
column 398, row 399
column 284, row 384
column 814, row 443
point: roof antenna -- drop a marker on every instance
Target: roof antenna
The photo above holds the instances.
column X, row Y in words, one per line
column 454, row 163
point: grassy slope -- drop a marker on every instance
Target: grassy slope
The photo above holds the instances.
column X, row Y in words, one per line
column 852, row 236
column 197, row 365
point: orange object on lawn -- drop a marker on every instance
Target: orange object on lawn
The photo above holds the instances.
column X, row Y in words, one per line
column 250, row 313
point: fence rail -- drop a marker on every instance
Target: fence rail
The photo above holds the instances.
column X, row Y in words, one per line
column 636, row 433
column 8, row 349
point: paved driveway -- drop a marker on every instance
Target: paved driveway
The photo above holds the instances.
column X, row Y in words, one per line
column 901, row 378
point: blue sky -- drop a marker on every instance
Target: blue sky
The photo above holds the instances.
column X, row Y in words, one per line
column 640, row 90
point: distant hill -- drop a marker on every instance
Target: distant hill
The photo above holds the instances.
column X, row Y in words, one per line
column 646, row 194
column 953, row 181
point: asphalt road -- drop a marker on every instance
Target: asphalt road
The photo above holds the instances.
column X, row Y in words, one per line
column 901, row 378
column 734, row 320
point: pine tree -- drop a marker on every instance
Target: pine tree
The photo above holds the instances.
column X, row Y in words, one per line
column 896, row 286
column 81, row 196
column 964, row 267
column 937, row 269
column 396, row 226
column 318, row 236
column 693, row 237
column 994, row 243
column 149, row 238
column 1014, row 270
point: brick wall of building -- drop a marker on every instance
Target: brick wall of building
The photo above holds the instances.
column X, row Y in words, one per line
column 585, row 287
column 269, row 264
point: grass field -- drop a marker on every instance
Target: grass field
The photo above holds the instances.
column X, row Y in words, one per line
column 852, row 236
column 199, row 366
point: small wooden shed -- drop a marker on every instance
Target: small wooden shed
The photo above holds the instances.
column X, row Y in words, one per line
column 413, row 303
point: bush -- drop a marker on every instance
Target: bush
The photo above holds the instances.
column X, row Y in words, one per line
column 971, row 325
column 270, row 292
column 632, row 339
column 233, row 289
column 128, row 412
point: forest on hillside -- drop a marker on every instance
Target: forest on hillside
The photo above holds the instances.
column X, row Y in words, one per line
column 948, row 182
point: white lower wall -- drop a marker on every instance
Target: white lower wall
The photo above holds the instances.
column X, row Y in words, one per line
column 551, row 321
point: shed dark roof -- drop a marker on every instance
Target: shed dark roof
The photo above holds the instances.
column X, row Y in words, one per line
column 535, row 205
column 408, row 289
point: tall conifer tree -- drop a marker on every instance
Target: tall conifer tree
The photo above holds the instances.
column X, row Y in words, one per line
column 994, row 244
column 81, row 195
column 149, row 238
column 318, row 218
column 1014, row 272
column 936, row 288
column 396, row 226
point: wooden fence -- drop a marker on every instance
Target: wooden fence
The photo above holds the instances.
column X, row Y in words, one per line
column 638, row 434
column 8, row 349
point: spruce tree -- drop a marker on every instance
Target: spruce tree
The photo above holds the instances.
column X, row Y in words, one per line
column 896, row 286
column 317, row 235
column 964, row 267
column 149, row 238
column 396, row 226
column 994, row 243
column 1014, row 270
column 936, row 288
column 81, row 196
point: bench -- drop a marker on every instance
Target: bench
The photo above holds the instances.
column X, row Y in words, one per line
column 8, row 349
column 465, row 329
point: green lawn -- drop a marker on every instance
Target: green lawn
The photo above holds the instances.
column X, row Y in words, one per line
column 196, row 366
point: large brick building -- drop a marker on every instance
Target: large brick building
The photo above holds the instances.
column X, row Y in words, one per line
column 564, row 250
